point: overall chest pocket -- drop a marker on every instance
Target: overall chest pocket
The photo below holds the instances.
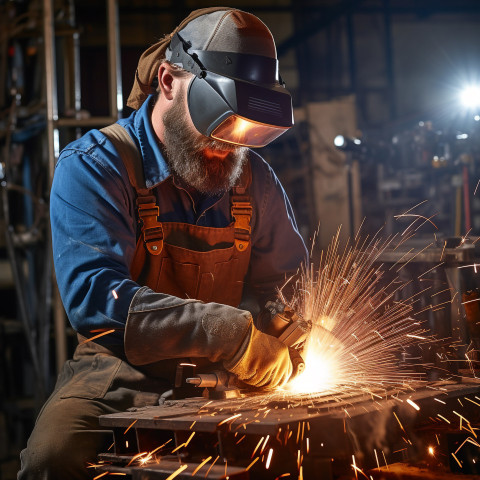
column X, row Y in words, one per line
column 211, row 276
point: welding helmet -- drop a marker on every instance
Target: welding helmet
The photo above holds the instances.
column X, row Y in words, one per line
column 236, row 94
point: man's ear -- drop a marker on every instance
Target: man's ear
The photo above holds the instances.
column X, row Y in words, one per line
column 165, row 80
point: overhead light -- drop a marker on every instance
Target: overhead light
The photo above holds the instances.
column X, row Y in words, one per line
column 470, row 96
column 339, row 141
column 347, row 143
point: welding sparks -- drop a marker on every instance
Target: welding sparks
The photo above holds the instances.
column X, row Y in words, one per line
column 358, row 327
column 269, row 459
column 201, row 465
column 177, row 472
column 413, row 404
column 97, row 336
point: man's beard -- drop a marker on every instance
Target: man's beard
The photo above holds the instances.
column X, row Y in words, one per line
column 209, row 166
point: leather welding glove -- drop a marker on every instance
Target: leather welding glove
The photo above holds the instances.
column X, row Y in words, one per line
column 161, row 327
column 261, row 360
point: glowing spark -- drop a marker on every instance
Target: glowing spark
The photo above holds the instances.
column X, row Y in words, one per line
column 178, row 448
column 130, row 426
column 440, row 401
column 201, row 465
column 137, row 456
column 97, row 336
column 413, row 404
column 431, row 451
column 101, row 475
column 443, row 418
column 233, row 417
column 376, row 458
column 398, row 420
column 308, row 445
column 115, row 294
column 418, row 337
column 469, row 440
column 256, row 448
column 354, row 466
column 417, row 216
column 453, row 455
column 269, row 458
column 251, row 464
column 443, row 250
column 191, row 426
column 241, row 439
column 299, row 459
column 161, row 446
column 478, row 404
column 211, row 466
column 433, row 268
column 177, row 472
column 264, row 444
column 189, row 438
column 461, row 417
column 385, row 459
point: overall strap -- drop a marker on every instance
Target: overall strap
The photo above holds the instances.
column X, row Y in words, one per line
column 241, row 209
column 148, row 210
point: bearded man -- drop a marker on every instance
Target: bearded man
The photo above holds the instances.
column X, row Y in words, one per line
column 161, row 223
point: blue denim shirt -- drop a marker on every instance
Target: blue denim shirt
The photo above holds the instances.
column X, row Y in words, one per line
column 94, row 225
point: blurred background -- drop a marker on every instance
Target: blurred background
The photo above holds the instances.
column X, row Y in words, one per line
column 387, row 122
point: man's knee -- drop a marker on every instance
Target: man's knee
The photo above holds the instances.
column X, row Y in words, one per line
column 65, row 439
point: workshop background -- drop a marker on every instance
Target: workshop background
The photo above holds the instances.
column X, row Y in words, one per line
column 387, row 121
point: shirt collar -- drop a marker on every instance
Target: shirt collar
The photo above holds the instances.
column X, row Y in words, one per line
column 154, row 165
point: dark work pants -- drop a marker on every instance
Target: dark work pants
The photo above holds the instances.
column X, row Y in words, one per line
column 67, row 435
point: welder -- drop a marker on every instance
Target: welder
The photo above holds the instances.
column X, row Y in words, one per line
column 168, row 231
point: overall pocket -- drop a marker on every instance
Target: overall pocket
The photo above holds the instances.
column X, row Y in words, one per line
column 91, row 376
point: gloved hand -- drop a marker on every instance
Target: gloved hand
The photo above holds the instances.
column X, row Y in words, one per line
column 163, row 327
column 261, row 360
column 284, row 323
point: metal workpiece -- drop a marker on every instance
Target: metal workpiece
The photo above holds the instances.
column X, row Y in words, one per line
column 269, row 435
column 418, row 250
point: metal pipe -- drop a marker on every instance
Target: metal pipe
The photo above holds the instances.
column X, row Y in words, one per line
column 114, row 64
column 53, row 150
column 50, row 83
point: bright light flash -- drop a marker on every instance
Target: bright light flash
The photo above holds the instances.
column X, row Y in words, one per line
column 431, row 450
column 339, row 141
column 470, row 96
column 320, row 373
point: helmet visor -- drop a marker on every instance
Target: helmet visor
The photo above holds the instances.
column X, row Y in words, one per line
column 242, row 131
